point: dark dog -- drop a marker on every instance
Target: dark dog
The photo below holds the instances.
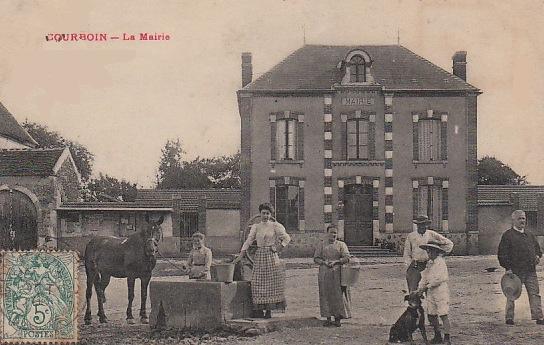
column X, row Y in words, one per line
column 409, row 321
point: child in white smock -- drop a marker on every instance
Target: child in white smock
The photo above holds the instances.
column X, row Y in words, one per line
column 434, row 281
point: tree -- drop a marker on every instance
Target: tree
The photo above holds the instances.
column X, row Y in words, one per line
column 175, row 172
column 47, row 138
column 109, row 188
column 224, row 171
column 492, row 171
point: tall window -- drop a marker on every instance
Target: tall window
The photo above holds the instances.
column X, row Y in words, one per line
column 429, row 135
column 286, row 139
column 357, row 139
column 430, row 203
column 357, row 69
column 287, row 201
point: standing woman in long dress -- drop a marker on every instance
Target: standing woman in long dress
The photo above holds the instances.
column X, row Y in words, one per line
column 268, row 277
column 334, row 299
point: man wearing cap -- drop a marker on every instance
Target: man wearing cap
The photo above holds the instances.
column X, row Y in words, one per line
column 416, row 258
column 519, row 253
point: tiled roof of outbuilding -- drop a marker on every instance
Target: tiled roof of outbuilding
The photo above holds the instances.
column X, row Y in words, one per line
column 493, row 194
column 314, row 67
column 189, row 199
column 29, row 162
column 112, row 206
column 10, row 128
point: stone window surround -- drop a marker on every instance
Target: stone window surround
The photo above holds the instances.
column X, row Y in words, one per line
column 369, row 116
column 432, row 181
column 290, row 181
column 430, row 114
column 299, row 150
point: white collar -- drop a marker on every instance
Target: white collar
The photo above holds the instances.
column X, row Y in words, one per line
column 519, row 230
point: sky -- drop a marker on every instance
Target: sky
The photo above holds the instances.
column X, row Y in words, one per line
column 124, row 99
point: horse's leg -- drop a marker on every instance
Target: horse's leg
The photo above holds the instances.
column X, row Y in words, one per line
column 143, row 314
column 91, row 276
column 130, row 283
column 104, row 281
column 99, row 296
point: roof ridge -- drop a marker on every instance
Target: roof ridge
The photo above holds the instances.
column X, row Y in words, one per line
column 438, row 68
column 352, row 45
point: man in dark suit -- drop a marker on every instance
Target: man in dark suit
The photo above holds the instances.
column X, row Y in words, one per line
column 519, row 253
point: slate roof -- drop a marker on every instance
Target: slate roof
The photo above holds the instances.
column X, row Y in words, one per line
column 10, row 128
column 29, row 162
column 489, row 195
column 189, row 199
column 314, row 67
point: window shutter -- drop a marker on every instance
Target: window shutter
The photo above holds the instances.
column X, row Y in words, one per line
column 444, row 140
column 273, row 141
column 291, row 139
column 351, row 139
column 372, row 140
column 415, row 199
column 435, row 140
column 344, row 137
column 300, row 140
column 280, row 139
column 437, row 207
column 423, row 200
column 415, row 142
column 363, row 139
column 425, row 140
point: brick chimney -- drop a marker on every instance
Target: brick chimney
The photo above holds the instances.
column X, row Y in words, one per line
column 460, row 64
column 247, row 69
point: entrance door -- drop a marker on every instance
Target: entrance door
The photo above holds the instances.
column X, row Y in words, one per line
column 358, row 214
column 18, row 221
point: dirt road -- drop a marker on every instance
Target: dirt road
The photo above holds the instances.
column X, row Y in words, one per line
column 476, row 310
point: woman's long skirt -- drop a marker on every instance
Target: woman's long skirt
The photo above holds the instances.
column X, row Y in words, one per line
column 268, row 281
column 334, row 299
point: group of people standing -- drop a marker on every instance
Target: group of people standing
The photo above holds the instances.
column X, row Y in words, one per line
column 268, row 276
column 426, row 273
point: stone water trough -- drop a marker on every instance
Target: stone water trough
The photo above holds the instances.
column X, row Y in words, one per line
column 177, row 302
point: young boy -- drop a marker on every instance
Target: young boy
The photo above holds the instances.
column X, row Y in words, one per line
column 200, row 259
column 434, row 281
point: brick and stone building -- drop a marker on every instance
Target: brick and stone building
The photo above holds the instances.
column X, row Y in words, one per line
column 33, row 183
column 365, row 137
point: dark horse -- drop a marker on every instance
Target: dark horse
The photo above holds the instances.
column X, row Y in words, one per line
column 130, row 258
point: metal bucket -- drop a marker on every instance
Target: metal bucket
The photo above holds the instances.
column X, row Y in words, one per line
column 224, row 272
column 349, row 274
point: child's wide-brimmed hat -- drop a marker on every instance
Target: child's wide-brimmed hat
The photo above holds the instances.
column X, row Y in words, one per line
column 433, row 244
column 422, row 219
column 511, row 286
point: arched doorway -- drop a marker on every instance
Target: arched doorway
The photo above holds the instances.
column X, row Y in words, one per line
column 18, row 221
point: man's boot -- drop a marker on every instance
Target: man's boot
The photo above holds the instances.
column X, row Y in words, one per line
column 437, row 338
column 447, row 339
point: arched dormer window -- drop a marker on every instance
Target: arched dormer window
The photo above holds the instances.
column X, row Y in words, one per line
column 357, row 69
column 356, row 66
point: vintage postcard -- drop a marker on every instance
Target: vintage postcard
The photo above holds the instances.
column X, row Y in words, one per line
column 299, row 139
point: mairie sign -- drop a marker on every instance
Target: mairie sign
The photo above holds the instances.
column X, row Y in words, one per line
column 357, row 101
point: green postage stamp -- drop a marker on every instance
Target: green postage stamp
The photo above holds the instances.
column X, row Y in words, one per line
column 38, row 298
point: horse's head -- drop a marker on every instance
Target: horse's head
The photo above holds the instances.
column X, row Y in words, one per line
column 152, row 234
